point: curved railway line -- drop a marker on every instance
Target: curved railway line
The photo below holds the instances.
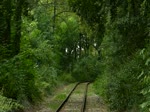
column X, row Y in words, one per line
column 73, row 104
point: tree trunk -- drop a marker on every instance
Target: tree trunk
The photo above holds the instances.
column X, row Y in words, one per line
column 6, row 36
column 18, row 26
column 54, row 19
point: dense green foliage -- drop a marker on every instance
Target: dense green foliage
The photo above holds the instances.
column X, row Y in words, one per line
column 28, row 71
column 123, row 28
column 8, row 104
column 86, row 69
column 43, row 43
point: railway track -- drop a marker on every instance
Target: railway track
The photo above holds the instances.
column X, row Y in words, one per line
column 76, row 100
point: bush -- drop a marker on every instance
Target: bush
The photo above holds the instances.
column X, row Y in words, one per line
column 86, row 69
column 123, row 89
column 67, row 78
column 145, row 79
column 100, row 86
column 31, row 74
column 17, row 79
column 7, row 104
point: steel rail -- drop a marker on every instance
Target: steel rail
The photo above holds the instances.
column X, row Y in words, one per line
column 85, row 98
column 63, row 103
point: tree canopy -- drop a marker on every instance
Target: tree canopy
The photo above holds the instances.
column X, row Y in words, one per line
column 47, row 42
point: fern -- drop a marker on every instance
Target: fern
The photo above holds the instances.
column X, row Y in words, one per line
column 145, row 79
column 7, row 104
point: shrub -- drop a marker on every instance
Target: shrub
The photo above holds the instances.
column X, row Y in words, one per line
column 29, row 75
column 7, row 104
column 17, row 79
column 123, row 91
column 67, row 77
column 100, row 85
column 86, row 69
column 145, row 79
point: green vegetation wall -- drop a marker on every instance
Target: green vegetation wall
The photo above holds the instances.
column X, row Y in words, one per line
column 123, row 44
column 28, row 61
column 86, row 69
